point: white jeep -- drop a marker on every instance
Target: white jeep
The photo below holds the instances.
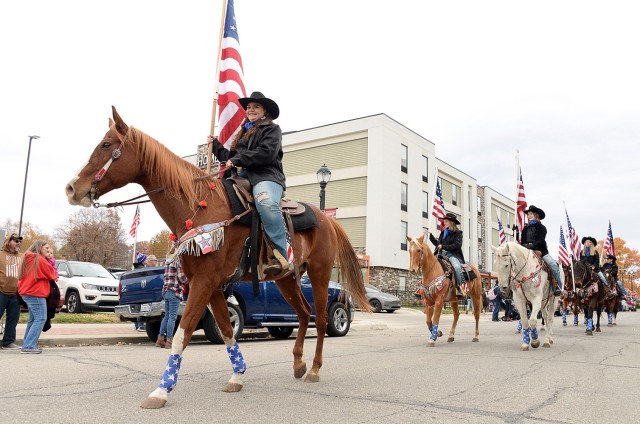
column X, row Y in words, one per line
column 86, row 286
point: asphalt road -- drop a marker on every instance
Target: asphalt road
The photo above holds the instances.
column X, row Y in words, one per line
column 381, row 372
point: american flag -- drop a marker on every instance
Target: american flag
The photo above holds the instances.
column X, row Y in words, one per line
column 608, row 248
column 501, row 234
column 574, row 240
column 136, row 221
column 231, row 87
column 521, row 203
column 438, row 203
column 563, row 254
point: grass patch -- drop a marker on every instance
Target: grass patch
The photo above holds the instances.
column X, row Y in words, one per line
column 65, row 318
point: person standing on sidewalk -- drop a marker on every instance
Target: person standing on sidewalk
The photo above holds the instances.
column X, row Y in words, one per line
column 172, row 292
column 33, row 286
column 10, row 261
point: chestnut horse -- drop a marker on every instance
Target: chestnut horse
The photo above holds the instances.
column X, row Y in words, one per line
column 520, row 271
column 177, row 189
column 593, row 296
column 570, row 296
column 438, row 288
column 611, row 300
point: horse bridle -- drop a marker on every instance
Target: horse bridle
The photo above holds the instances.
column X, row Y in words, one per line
column 94, row 193
column 413, row 240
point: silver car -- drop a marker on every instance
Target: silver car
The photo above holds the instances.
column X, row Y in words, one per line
column 381, row 301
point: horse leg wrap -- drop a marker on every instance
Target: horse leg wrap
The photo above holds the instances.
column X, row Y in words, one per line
column 534, row 333
column 590, row 324
column 170, row 376
column 525, row 336
column 434, row 332
column 564, row 317
column 610, row 318
column 575, row 320
column 519, row 325
column 237, row 361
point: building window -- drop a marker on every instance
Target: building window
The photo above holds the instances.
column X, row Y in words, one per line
column 479, row 205
column 402, row 284
column 403, row 196
column 425, row 204
column 508, row 220
column 404, row 158
column 469, row 198
column 479, row 231
column 403, row 235
column 454, row 195
column 425, row 169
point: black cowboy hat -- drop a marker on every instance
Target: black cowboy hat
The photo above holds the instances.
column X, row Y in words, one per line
column 15, row 237
column 452, row 217
column 613, row 258
column 594, row 241
column 257, row 97
column 534, row 209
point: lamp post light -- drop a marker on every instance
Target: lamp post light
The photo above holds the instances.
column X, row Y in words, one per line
column 24, row 190
column 324, row 176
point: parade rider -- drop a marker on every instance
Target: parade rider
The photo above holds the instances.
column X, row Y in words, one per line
column 449, row 243
column 590, row 256
column 611, row 267
column 533, row 237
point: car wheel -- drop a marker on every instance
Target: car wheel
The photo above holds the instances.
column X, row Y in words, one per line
column 280, row 332
column 73, row 303
column 212, row 331
column 375, row 305
column 390, row 311
column 153, row 329
column 338, row 323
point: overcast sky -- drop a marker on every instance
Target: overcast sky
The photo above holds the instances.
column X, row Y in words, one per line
column 556, row 80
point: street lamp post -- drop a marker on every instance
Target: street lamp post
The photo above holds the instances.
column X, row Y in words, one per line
column 24, row 190
column 324, row 176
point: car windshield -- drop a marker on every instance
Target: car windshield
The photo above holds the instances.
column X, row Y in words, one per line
column 86, row 269
column 373, row 288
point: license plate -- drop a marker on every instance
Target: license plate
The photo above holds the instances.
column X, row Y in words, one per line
column 145, row 307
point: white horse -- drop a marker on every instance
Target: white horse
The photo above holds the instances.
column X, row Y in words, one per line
column 519, row 270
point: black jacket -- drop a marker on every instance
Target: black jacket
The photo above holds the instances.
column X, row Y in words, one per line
column 260, row 155
column 452, row 244
column 593, row 260
column 611, row 268
column 534, row 237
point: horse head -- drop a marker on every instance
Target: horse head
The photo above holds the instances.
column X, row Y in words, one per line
column 502, row 264
column 416, row 253
column 568, row 278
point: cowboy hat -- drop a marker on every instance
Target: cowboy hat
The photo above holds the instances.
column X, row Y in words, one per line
column 534, row 209
column 452, row 217
column 611, row 257
column 15, row 237
column 257, row 97
column 594, row 241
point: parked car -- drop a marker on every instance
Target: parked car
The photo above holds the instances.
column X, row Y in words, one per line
column 86, row 286
column 141, row 297
column 381, row 301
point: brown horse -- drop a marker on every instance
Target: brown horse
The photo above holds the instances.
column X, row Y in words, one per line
column 438, row 288
column 592, row 295
column 611, row 300
column 177, row 189
column 570, row 296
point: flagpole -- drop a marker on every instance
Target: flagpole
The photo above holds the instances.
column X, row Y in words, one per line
column 516, row 229
column 573, row 278
column 215, row 96
column 135, row 242
column 433, row 196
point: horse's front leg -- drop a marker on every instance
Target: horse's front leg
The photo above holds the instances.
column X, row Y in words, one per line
column 589, row 318
column 521, row 304
column 456, row 315
column 598, row 312
column 434, row 326
column 564, row 312
column 533, row 321
column 477, row 307
column 548, row 314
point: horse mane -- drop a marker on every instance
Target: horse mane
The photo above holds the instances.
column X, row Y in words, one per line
column 178, row 177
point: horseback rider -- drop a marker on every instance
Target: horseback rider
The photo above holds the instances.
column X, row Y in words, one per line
column 533, row 237
column 590, row 256
column 258, row 150
column 611, row 267
column 449, row 244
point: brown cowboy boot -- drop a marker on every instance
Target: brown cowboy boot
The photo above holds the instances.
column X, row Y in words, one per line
column 168, row 344
column 278, row 264
column 160, row 342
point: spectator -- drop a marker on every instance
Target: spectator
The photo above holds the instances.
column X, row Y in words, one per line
column 10, row 261
column 172, row 292
column 140, row 262
column 33, row 287
column 497, row 302
column 151, row 261
column 508, row 309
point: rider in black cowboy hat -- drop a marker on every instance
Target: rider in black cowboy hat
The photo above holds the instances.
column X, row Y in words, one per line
column 533, row 237
column 611, row 267
column 449, row 243
column 590, row 256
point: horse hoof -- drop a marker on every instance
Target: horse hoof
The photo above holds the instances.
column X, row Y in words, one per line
column 475, row 339
column 439, row 333
column 615, row 323
column 564, row 324
column 535, row 344
column 598, row 330
column 300, row 372
column 312, row 378
column 546, row 345
column 524, row 347
column 450, row 339
column 232, row 388
column 551, row 341
column 153, row 403
column 575, row 324
column 518, row 331
column 609, row 325
column 431, row 343
column 589, row 333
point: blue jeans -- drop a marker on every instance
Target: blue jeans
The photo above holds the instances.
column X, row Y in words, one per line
column 554, row 268
column 604, row 280
column 620, row 287
column 171, row 305
column 9, row 305
column 37, row 316
column 138, row 325
column 455, row 262
column 497, row 302
column 267, row 195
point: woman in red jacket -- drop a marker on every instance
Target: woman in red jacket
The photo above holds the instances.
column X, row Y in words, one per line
column 34, row 289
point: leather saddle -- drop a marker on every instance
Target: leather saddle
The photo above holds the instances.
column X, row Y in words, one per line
column 545, row 267
column 468, row 273
column 242, row 187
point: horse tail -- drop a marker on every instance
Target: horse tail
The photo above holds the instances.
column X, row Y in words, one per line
column 349, row 266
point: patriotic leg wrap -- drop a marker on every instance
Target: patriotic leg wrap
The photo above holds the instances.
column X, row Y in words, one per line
column 525, row 336
column 564, row 317
column 237, row 361
column 534, row 333
column 170, row 376
column 519, row 326
column 610, row 318
column 590, row 324
column 434, row 332
column 575, row 320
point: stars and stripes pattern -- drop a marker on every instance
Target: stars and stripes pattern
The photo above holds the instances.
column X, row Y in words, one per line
column 230, row 84
column 170, row 375
column 438, row 203
column 574, row 240
column 608, row 248
column 563, row 254
column 521, row 202
column 501, row 235
column 136, row 221
column 237, row 361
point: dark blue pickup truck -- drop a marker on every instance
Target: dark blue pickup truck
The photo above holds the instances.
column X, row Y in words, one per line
column 141, row 297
